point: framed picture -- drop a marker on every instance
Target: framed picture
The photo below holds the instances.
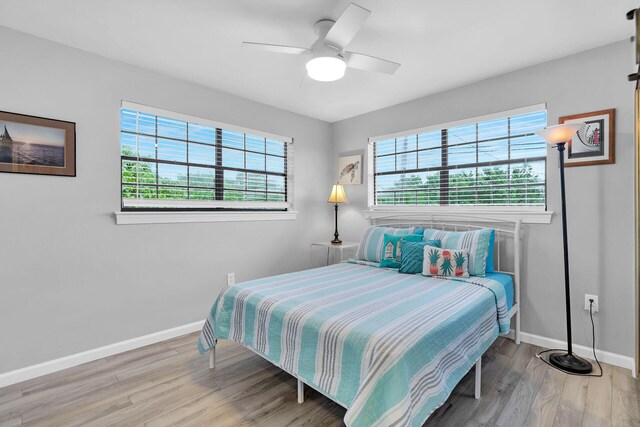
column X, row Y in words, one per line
column 594, row 142
column 36, row 145
column 350, row 170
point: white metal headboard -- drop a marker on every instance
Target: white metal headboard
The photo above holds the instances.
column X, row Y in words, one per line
column 507, row 239
column 507, row 234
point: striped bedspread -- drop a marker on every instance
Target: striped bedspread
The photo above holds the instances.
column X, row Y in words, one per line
column 389, row 347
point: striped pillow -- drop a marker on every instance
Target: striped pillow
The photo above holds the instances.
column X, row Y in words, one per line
column 476, row 242
column 370, row 248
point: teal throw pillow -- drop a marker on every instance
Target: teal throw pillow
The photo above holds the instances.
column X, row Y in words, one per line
column 371, row 245
column 391, row 251
column 413, row 256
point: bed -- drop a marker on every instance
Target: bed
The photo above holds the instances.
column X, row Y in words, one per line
column 389, row 347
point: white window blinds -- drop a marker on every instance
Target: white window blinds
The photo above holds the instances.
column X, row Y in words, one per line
column 173, row 161
column 494, row 160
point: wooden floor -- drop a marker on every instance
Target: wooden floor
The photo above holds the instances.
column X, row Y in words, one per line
column 170, row 384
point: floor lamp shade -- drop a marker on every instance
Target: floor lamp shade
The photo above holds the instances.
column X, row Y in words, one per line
column 559, row 136
column 337, row 196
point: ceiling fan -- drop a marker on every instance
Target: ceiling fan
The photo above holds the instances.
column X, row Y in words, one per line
column 329, row 60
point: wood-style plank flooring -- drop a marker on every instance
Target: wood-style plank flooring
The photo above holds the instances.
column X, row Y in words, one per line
column 170, row 384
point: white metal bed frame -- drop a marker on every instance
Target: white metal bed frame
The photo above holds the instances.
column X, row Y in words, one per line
column 456, row 223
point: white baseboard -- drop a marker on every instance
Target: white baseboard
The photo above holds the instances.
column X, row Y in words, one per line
column 29, row 372
column 581, row 350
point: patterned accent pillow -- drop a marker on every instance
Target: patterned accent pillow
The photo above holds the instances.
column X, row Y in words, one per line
column 413, row 256
column 370, row 248
column 476, row 242
column 445, row 262
column 392, row 248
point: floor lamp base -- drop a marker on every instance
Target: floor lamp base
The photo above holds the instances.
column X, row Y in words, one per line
column 570, row 363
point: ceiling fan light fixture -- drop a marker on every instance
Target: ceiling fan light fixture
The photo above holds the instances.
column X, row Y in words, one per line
column 328, row 58
column 326, row 68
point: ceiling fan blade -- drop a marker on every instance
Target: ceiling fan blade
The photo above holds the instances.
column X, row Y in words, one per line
column 347, row 26
column 292, row 50
column 361, row 61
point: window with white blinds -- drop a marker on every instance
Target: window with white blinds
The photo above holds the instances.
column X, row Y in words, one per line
column 496, row 160
column 173, row 161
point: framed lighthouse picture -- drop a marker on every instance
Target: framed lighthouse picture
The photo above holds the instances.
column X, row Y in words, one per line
column 36, row 145
column 594, row 142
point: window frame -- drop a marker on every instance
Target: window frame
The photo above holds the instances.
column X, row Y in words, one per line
column 140, row 210
column 524, row 213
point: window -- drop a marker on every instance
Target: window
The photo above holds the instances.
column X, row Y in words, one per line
column 176, row 162
column 490, row 161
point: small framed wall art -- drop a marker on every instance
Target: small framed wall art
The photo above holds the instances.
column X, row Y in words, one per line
column 350, row 170
column 594, row 143
column 36, row 145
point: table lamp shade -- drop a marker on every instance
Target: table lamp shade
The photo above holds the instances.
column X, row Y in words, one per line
column 559, row 134
column 337, row 194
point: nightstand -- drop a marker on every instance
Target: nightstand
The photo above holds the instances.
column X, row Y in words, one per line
column 335, row 249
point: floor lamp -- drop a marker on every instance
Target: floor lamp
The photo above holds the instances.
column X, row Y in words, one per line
column 558, row 136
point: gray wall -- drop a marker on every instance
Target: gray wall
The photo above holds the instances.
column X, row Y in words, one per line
column 70, row 279
column 600, row 199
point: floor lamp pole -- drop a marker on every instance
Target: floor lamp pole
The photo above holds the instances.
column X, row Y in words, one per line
column 567, row 361
column 565, row 245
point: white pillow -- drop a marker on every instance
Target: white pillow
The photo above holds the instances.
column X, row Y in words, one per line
column 445, row 262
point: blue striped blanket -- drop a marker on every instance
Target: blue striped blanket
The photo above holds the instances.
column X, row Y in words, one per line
column 389, row 347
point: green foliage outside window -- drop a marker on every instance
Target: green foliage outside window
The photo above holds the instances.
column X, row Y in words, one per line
column 171, row 187
column 463, row 189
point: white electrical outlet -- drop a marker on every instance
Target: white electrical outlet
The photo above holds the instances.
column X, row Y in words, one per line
column 587, row 303
column 231, row 279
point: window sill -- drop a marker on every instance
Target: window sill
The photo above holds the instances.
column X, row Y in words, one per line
column 126, row 218
column 466, row 213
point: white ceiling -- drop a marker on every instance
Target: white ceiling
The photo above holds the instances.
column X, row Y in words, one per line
column 440, row 44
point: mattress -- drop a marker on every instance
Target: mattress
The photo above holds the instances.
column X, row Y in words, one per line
column 507, row 283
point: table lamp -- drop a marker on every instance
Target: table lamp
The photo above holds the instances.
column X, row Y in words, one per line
column 337, row 196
